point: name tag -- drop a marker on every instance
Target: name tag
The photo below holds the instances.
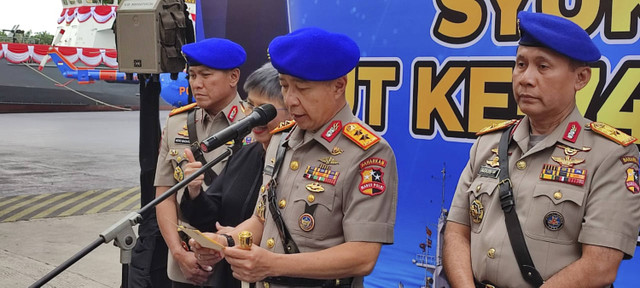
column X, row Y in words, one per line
column 489, row 172
column 268, row 170
column 181, row 141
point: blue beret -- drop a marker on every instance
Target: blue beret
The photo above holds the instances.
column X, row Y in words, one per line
column 314, row 54
column 216, row 53
column 558, row 34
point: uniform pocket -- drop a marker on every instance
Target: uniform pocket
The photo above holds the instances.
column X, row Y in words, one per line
column 319, row 224
column 555, row 214
column 481, row 199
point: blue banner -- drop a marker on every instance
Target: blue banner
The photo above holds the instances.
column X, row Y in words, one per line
column 433, row 73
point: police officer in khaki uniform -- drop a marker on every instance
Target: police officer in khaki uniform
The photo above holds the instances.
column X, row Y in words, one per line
column 574, row 182
column 213, row 77
column 330, row 185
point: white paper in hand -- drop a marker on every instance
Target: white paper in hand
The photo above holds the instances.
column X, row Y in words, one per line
column 203, row 240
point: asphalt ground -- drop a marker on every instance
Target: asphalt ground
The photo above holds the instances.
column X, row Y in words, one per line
column 64, row 179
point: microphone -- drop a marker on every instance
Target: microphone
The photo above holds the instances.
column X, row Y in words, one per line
column 261, row 115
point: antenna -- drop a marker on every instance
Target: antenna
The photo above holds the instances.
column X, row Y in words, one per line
column 444, row 174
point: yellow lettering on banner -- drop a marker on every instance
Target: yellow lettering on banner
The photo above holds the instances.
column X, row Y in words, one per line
column 584, row 14
column 377, row 76
column 435, row 102
column 621, row 107
column 622, row 20
column 351, row 91
column 480, row 99
column 452, row 27
column 506, row 19
column 379, row 79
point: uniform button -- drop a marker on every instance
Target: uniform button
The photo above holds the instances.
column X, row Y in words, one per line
column 271, row 242
column 557, row 195
column 266, row 284
column 521, row 164
column 478, row 187
column 261, row 189
column 294, row 165
column 282, row 204
column 311, row 198
column 273, row 160
column 491, row 253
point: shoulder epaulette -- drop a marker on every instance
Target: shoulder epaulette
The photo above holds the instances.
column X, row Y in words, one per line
column 612, row 133
column 360, row 135
column 496, row 127
column 182, row 109
column 285, row 125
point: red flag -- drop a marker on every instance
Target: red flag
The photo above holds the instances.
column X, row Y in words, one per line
column 428, row 231
column 429, row 243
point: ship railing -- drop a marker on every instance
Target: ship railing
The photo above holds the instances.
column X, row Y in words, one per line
column 425, row 261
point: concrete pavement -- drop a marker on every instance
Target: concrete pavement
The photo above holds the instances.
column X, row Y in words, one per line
column 58, row 153
column 31, row 249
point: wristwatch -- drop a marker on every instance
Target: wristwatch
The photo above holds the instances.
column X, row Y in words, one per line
column 230, row 242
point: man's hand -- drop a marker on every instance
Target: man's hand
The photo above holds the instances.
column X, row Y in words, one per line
column 190, row 268
column 249, row 265
column 223, row 229
column 190, row 168
column 206, row 257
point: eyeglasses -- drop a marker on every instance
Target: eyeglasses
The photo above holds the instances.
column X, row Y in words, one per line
column 247, row 107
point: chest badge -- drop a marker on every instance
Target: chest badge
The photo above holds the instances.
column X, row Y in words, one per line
column 306, row 222
column 495, row 160
column 322, row 174
column 329, row 161
column 563, row 174
column 336, row 151
column 314, row 187
column 569, row 152
column 553, row 221
column 178, row 174
column 476, row 211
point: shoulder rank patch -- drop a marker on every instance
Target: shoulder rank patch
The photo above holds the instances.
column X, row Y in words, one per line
column 612, row 134
column 182, row 109
column 496, row 127
column 360, row 135
column 285, row 125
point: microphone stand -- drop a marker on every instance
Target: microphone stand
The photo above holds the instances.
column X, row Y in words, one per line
column 122, row 231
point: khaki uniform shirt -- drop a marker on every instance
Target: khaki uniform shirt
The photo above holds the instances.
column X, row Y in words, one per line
column 175, row 139
column 347, row 210
column 556, row 217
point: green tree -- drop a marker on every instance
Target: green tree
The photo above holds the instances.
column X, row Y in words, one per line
column 42, row 38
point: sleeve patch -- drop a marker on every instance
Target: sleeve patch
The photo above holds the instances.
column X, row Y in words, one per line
column 629, row 159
